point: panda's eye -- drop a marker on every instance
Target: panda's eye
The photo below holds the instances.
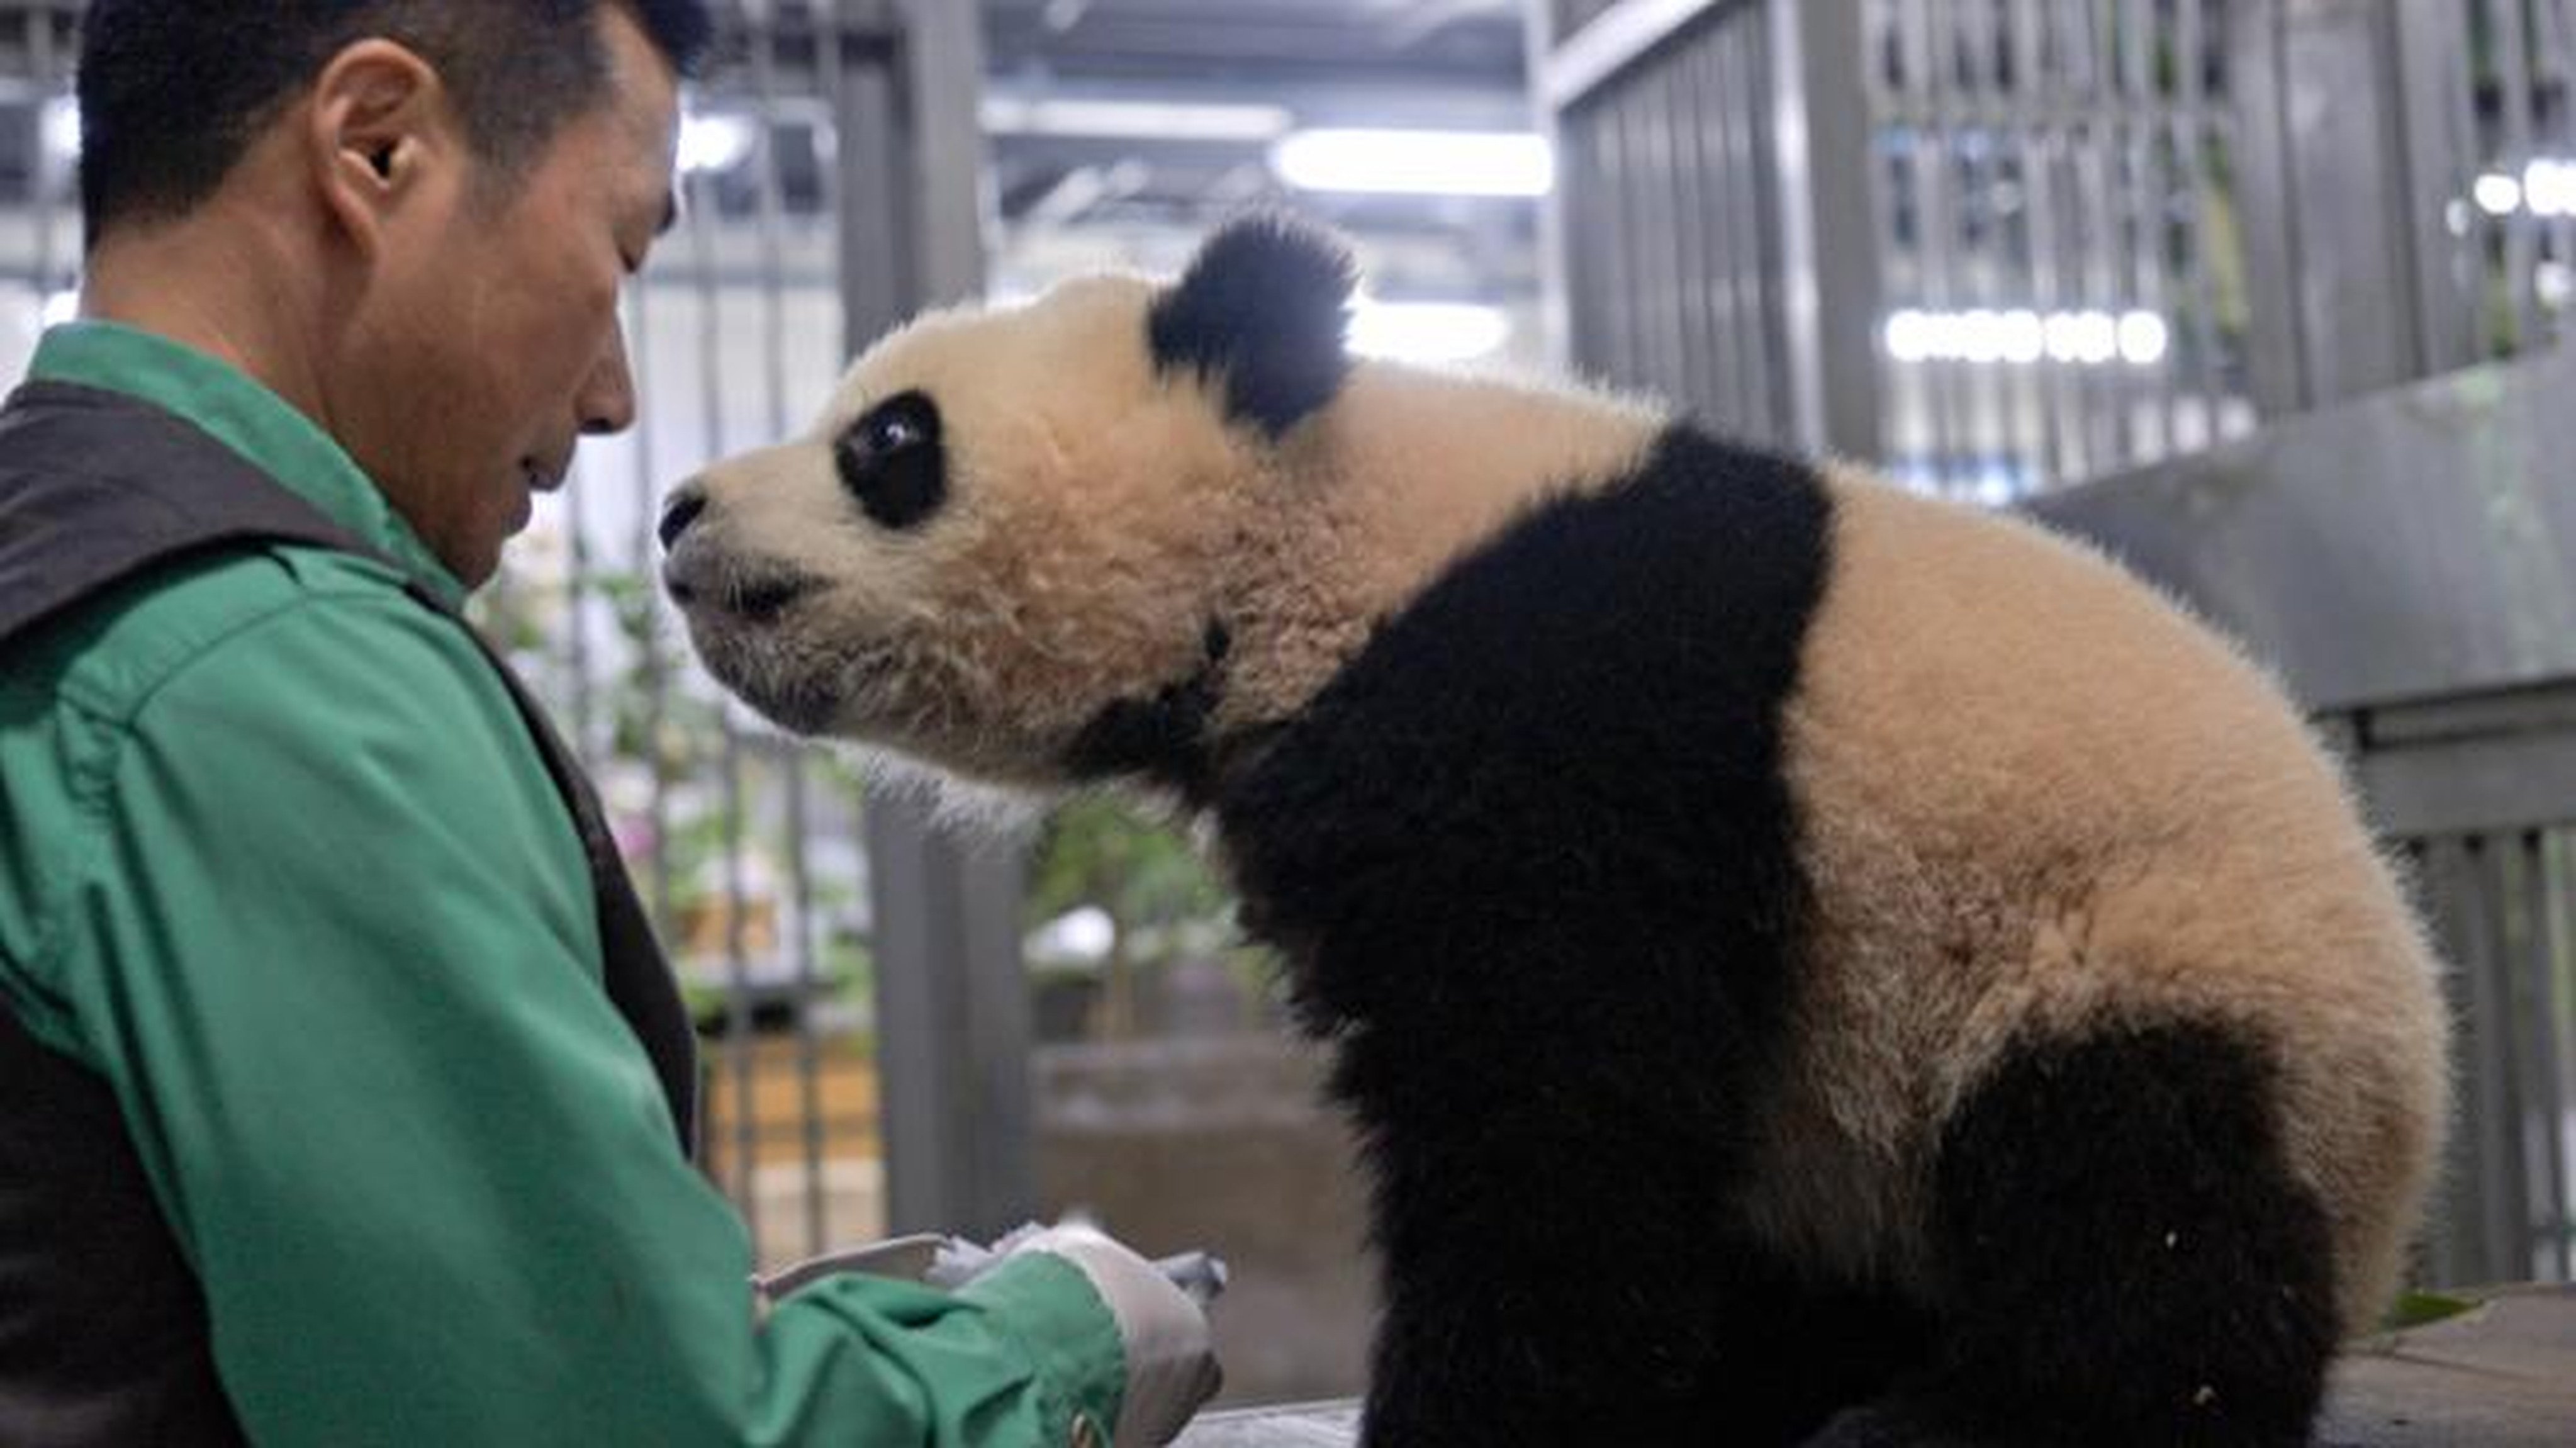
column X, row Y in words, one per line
column 891, row 463
column 890, row 432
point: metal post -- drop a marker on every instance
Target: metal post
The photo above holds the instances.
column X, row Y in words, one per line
column 1829, row 265
column 2346, row 125
column 2441, row 140
column 952, row 1027
column 952, row 1000
column 1556, row 281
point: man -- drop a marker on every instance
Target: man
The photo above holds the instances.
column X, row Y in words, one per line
column 342, row 1094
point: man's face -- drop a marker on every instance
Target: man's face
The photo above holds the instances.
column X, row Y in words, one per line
column 499, row 339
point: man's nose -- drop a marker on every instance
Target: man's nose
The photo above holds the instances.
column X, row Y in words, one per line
column 607, row 399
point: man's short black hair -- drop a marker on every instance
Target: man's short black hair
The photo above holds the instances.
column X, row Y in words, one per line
column 172, row 92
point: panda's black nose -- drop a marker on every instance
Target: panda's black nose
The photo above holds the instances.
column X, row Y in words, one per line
column 686, row 503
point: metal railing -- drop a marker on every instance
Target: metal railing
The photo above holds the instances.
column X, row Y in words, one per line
column 2406, row 562
column 2054, row 197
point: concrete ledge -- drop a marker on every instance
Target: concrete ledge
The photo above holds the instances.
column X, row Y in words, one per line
column 2502, row 1376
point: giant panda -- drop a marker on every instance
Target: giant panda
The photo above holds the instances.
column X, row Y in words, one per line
column 1807, row 962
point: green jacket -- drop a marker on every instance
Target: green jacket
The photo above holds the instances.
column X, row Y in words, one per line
column 280, row 863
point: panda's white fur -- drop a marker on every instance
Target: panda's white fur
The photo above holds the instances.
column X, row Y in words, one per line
column 2017, row 759
column 2035, row 802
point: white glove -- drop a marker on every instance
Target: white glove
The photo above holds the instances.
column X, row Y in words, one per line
column 1171, row 1364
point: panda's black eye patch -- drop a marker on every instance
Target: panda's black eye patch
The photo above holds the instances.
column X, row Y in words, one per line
column 892, row 463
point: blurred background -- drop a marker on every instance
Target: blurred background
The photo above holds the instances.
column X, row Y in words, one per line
column 2264, row 294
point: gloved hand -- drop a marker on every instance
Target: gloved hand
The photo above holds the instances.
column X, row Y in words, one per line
column 1171, row 1364
column 1160, row 1307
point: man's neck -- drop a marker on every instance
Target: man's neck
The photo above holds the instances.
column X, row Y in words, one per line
column 219, row 286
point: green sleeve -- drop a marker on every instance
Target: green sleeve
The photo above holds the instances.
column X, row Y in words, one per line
column 336, row 956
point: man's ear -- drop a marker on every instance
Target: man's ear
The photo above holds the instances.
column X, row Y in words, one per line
column 376, row 121
column 1264, row 305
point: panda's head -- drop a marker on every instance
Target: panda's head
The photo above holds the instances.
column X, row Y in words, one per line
column 1005, row 548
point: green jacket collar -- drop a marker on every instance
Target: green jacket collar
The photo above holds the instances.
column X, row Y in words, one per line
column 244, row 416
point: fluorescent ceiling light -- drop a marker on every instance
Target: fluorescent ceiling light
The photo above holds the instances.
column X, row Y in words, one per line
column 1135, row 120
column 2498, row 194
column 1422, row 163
column 712, row 141
column 2549, row 188
column 61, row 128
column 1428, row 331
column 1084, row 935
column 2022, row 337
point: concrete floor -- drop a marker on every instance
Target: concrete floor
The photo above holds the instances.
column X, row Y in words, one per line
column 2503, row 1376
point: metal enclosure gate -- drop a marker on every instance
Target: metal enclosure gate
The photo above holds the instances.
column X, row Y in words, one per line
column 2002, row 246
column 840, row 960
column 2006, row 245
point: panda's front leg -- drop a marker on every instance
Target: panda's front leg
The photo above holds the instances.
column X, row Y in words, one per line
column 2128, row 1261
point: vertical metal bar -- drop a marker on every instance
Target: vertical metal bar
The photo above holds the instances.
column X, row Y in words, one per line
column 1698, row 273
column 644, row 628
column 799, row 903
column 1651, row 88
column 2463, row 1246
column 1577, row 224
column 2508, row 963
column 1888, row 79
column 744, row 1146
column 1614, row 303
column 1558, row 260
column 953, row 1008
column 2277, row 358
column 2554, row 65
column 2040, row 145
column 49, row 171
column 1727, row 71
column 578, row 603
column 2535, row 1003
column 2147, row 208
column 1636, row 228
column 2440, row 152
column 1933, row 136
column 2195, row 133
column 2515, row 99
column 1612, row 298
column 1829, row 277
column 1965, row 43
column 1763, row 234
column 2559, row 967
column 2107, row 425
column 2074, row 100
column 2495, row 1116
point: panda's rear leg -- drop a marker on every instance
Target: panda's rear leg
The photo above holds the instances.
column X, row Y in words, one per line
column 2125, row 1259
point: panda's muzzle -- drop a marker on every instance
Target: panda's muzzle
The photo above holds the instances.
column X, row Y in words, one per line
column 750, row 596
column 697, row 577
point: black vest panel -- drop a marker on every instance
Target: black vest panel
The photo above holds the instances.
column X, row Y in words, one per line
column 103, row 1333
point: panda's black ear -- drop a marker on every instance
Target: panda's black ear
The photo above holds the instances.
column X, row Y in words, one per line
column 1264, row 304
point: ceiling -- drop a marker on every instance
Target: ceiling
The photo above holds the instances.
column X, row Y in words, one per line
column 1071, row 200
column 1260, row 42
